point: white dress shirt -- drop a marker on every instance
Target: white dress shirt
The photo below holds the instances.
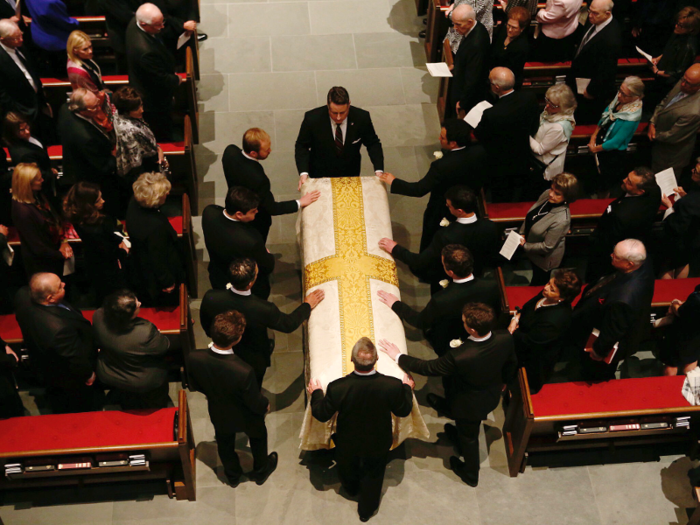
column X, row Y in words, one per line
column 14, row 55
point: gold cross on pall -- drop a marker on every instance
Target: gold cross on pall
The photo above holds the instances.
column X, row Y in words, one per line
column 351, row 266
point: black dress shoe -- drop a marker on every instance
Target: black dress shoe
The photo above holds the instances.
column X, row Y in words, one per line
column 201, row 37
column 260, row 477
column 352, row 490
column 364, row 519
column 422, row 34
column 439, row 404
column 234, row 481
column 457, row 466
column 452, row 435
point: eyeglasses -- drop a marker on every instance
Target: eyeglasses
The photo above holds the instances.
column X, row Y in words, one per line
column 550, row 103
column 622, row 93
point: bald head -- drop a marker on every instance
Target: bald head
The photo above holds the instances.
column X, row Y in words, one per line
column 690, row 83
column 599, row 11
column 10, row 34
column 46, row 288
column 150, row 18
column 502, row 80
column 629, row 255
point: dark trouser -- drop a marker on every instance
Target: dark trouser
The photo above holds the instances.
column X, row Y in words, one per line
column 468, row 432
column 540, row 277
column 161, row 123
column 226, row 443
column 73, row 399
column 554, row 50
column 589, row 111
column 154, row 399
column 597, row 370
column 363, row 476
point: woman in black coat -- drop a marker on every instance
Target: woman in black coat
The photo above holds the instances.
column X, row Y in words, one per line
column 44, row 246
column 540, row 327
column 156, row 263
column 103, row 239
column 511, row 46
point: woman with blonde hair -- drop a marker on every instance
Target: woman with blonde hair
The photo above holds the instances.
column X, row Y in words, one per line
column 41, row 233
column 83, row 71
column 156, row 262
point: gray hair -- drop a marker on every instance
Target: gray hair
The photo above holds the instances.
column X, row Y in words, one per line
column 8, row 28
column 608, row 4
column 76, row 102
column 41, row 286
column 562, row 96
column 631, row 250
column 364, row 354
column 635, row 85
column 463, row 12
column 147, row 13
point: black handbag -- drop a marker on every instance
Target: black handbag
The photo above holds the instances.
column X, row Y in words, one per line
column 536, row 167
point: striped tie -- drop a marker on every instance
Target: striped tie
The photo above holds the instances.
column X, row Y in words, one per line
column 338, row 140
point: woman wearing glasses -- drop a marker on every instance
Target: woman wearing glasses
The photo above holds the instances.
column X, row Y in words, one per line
column 614, row 132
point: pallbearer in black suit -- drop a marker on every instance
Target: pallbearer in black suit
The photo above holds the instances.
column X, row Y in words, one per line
column 365, row 401
column 330, row 138
column 440, row 320
column 260, row 314
column 60, row 343
column 480, row 236
column 475, row 372
column 234, row 399
column 242, row 168
column 540, row 328
column 229, row 234
column 459, row 163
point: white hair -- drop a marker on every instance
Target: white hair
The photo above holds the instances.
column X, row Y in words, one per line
column 463, row 12
column 8, row 28
column 147, row 13
column 631, row 250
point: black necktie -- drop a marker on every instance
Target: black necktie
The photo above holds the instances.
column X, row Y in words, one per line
column 603, row 281
column 338, row 140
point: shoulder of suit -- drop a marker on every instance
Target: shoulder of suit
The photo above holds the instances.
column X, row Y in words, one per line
column 231, row 150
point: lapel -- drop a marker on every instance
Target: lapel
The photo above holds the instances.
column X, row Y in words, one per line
column 58, row 311
column 350, row 133
column 19, row 75
column 681, row 103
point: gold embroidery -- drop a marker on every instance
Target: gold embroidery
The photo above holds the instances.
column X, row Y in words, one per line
column 351, row 266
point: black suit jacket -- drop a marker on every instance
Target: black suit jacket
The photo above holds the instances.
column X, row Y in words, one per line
column 16, row 93
column 59, row 341
column 441, row 319
column 25, row 151
column 505, row 131
column 151, row 69
column 513, row 56
column 227, row 240
column 598, row 61
column 241, row 171
column 364, row 404
column 476, row 373
column 481, row 237
column 259, row 315
column 155, row 250
column 315, row 151
column 463, row 166
column 470, row 73
column 233, row 395
column 539, row 339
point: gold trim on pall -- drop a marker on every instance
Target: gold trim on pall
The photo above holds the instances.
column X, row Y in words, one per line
column 352, row 266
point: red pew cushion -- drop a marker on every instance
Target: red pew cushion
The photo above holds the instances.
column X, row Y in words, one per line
column 647, row 393
column 666, row 290
column 88, row 429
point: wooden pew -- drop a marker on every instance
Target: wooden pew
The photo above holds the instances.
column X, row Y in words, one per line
column 533, row 421
column 164, row 436
column 444, row 89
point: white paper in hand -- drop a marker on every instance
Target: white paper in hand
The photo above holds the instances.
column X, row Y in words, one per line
column 474, row 116
column 582, row 84
column 439, row 69
column 667, row 181
column 182, row 39
column 511, row 244
column 8, row 255
column 645, row 55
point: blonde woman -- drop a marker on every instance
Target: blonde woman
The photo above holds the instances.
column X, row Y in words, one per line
column 83, row 71
column 44, row 247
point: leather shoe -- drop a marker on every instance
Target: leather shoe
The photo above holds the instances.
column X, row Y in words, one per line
column 234, row 481
column 201, row 37
column 457, row 466
column 421, row 34
column 439, row 404
column 352, row 490
column 260, row 477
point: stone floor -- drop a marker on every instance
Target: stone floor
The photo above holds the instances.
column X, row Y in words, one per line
column 264, row 64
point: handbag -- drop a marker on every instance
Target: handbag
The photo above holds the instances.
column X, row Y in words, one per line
column 536, row 167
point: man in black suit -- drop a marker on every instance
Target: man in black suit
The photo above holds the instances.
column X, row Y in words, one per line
column 468, row 86
column 21, row 90
column 630, row 216
column 480, row 236
column 60, row 343
column 460, row 163
column 474, row 373
column 330, row 138
column 596, row 60
column 152, row 69
column 87, row 151
column 618, row 305
column 440, row 319
column 242, row 168
column 260, row 314
column 234, row 399
column 229, row 234
column 505, row 130
column 365, row 401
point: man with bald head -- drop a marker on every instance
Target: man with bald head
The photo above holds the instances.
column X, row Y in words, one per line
column 505, row 131
column 60, row 343
column 595, row 59
column 468, row 86
column 618, row 305
column 675, row 123
column 152, row 69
